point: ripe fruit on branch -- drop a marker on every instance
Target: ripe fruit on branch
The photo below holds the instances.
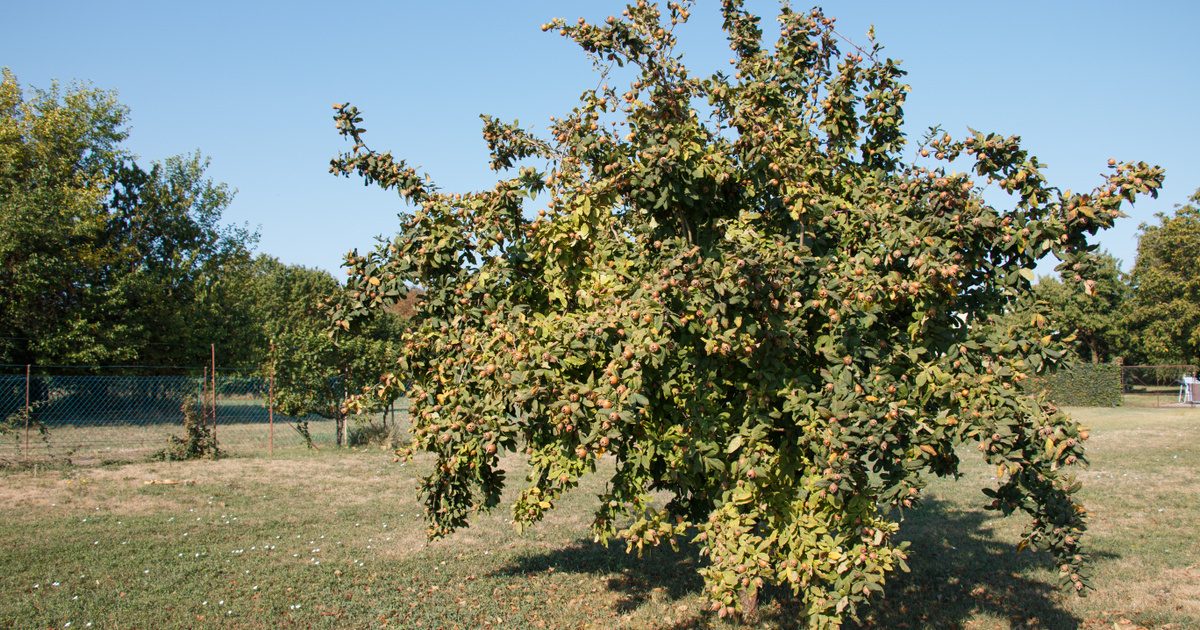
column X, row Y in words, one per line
column 760, row 304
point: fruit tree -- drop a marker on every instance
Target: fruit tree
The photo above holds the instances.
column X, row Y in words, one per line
column 740, row 293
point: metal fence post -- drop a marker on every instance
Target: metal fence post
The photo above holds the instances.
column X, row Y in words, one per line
column 271, row 406
column 26, row 411
column 213, row 347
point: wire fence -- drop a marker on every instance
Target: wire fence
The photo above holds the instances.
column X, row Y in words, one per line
column 99, row 415
column 1160, row 385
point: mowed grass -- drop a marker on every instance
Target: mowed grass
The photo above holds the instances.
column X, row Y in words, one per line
column 337, row 540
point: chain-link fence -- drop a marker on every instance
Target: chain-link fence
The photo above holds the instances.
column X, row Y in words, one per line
column 1160, row 385
column 97, row 415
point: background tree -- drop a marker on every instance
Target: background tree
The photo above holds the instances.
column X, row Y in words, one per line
column 1164, row 314
column 100, row 259
column 313, row 372
column 739, row 290
column 1092, row 311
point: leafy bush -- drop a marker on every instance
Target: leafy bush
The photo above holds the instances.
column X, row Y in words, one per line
column 1083, row 385
column 373, row 433
column 198, row 441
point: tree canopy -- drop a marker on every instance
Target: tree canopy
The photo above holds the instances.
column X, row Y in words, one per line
column 738, row 292
column 1164, row 314
column 287, row 333
column 1092, row 312
column 102, row 260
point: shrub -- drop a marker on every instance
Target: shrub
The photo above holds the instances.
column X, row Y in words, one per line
column 1083, row 385
column 373, row 433
column 198, row 441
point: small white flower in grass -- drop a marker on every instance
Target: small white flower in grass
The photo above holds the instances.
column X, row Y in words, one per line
column 55, row 584
column 67, row 625
column 146, row 572
column 204, row 603
column 95, row 542
column 37, row 586
column 221, row 603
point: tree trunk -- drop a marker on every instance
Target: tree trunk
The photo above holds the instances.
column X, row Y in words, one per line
column 749, row 601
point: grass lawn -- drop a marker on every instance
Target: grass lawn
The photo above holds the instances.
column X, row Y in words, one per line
column 337, row 540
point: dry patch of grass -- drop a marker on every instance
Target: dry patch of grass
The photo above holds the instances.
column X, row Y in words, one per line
column 337, row 540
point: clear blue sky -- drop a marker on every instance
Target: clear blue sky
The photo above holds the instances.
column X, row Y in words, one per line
column 250, row 85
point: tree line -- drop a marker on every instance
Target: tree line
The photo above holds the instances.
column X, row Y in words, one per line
column 1150, row 315
column 106, row 259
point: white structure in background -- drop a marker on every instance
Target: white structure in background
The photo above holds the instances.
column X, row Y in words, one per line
column 1189, row 390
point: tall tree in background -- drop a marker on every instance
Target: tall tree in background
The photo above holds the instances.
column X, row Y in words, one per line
column 1091, row 310
column 741, row 290
column 102, row 260
column 314, row 372
column 1164, row 315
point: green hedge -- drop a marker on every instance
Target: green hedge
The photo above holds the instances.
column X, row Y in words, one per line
column 1084, row 385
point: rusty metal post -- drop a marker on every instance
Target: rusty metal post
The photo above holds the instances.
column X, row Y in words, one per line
column 213, row 347
column 26, row 411
column 271, row 406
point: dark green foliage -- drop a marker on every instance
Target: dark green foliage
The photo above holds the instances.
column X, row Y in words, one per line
column 1089, row 309
column 198, row 441
column 1164, row 314
column 102, row 260
column 314, row 372
column 1083, row 385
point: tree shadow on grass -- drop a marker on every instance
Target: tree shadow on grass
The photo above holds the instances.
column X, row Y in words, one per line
column 959, row 569
column 662, row 573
